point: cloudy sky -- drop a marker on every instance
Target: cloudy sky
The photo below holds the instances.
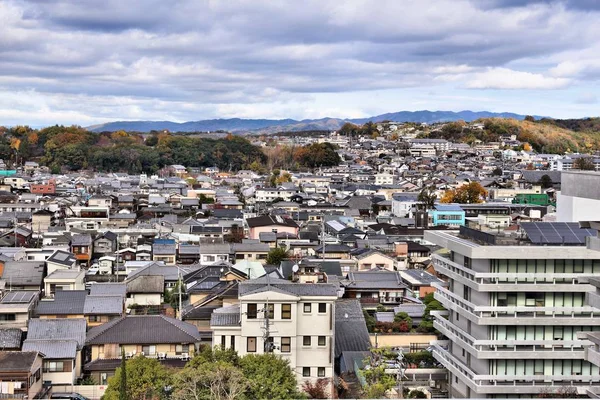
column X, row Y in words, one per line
column 86, row 61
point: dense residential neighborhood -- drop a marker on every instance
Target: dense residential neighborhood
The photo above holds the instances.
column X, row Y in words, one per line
column 412, row 267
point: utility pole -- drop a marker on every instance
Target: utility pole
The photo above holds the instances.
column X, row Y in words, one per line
column 180, row 313
column 323, row 236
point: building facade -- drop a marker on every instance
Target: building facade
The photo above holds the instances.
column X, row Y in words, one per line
column 514, row 314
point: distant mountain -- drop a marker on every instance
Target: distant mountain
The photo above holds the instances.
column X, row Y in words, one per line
column 240, row 125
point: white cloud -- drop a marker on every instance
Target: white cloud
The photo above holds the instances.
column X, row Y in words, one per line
column 505, row 78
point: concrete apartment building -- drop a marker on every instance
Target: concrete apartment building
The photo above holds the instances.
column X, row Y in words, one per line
column 579, row 197
column 293, row 320
column 515, row 315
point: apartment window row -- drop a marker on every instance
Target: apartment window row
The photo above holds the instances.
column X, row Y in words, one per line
column 58, row 366
column 285, row 343
column 307, row 341
column 542, row 367
column 253, row 311
column 306, row 372
column 536, row 299
column 322, row 308
column 545, row 266
column 501, row 332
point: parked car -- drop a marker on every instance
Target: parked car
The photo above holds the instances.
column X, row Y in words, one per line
column 72, row 396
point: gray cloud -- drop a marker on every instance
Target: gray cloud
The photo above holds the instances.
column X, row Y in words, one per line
column 245, row 52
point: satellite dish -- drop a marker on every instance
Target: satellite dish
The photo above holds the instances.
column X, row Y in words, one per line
column 295, row 268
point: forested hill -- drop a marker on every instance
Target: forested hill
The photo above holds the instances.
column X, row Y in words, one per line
column 544, row 136
column 75, row 148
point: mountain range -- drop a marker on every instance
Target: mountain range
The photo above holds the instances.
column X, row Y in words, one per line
column 240, row 125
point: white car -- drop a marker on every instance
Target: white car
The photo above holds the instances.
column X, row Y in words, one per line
column 93, row 270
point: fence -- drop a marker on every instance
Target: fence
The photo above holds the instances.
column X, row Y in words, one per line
column 93, row 392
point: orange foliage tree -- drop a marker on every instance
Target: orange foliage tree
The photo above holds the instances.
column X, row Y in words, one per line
column 466, row 194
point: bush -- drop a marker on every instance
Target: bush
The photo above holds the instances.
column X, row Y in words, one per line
column 318, row 390
column 381, row 308
column 417, row 394
column 391, row 327
column 403, row 317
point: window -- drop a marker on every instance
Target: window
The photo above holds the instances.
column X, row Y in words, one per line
column 94, row 318
column 286, row 344
column 307, row 307
column 306, row 340
column 322, row 308
column 305, row 371
column 321, row 372
column 222, row 341
column 149, row 350
column 251, row 345
column 8, row 317
column 182, row 348
column 54, row 366
column 286, row 311
column 270, row 308
column 232, row 342
column 251, row 311
column 322, row 341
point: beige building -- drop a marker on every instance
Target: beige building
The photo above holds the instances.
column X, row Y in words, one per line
column 293, row 320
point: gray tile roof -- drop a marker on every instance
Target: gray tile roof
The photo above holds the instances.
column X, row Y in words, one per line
column 52, row 349
column 108, row 289
column 226, row 316
column 66, row 302
column 163, row 249
column 10, row 338
column 17, row 361
column 250, row 247
column 58, row 329
column 104, row 305
column 146, row 284
column 374, row 280
column 265, row 283
column 81, row 240
column 350, row 328
column 23, row 273
column 144, row 329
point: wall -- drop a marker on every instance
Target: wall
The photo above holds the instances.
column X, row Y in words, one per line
column 401, row 340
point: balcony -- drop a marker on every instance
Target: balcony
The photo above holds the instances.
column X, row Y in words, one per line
column 510, row 384
column 511, row 349
column 513, row 282
column 526, row 315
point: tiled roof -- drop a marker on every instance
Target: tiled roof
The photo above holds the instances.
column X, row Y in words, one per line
column 17, row 361
column 143, row 329
column 103, row 305
column 10, row 338
column 297, row 289
column 350, row 328
column 52, row 349
column 226, row 316
column 57, row 329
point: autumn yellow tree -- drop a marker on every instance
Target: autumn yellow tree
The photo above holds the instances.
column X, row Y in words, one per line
column 470, row 193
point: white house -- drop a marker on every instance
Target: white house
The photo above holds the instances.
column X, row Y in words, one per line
column 293, row 320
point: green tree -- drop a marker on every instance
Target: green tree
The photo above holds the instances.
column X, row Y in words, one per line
column 269, row 377
column 377, row 382
column 545, row 181
column 219, row 380
column 123, row 395
column 403, row 317
column 146, row 379
column 276, row 256
column 370, row 321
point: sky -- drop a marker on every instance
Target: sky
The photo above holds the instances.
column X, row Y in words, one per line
column 86, row 62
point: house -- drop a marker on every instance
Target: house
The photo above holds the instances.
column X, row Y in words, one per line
column 21, row 374
column 145, row 290
column 95, row 308
column 61, row 342
column 215, row 253
column 293, row 320
column 375, row 287
column 447, row 214
column 22, row 275
column 41, row 220
column 104, row 244
column 188, row 254
column 367, row 259
column 269, row 223
column 63, row 279
column 332, row 251
column 250, row 250
column 420, row 282
column 169, row 340
column 164, row 250
column 16, row 309
column 61, row 259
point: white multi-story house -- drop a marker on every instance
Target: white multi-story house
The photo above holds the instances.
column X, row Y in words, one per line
column 267, row 195
column 514, row 314
column 384, row 179
column 293, row 320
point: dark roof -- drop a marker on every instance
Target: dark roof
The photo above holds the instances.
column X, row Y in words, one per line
column 52, row 349
column 350, row 328
column 143, row 329
column 266, row 283
column 535, row 176
column 333, row 248
column 267, row 220
column 23, row 273
column 146, row 284
column 108, row 289
column 62, row 257
column 17, row 361
column 81, row 240
column 374, row 280
column 66, row 302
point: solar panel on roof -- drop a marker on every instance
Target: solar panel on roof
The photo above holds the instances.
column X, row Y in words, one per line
column 556, row 232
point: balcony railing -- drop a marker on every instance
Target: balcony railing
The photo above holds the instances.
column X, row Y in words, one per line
column 503, row 384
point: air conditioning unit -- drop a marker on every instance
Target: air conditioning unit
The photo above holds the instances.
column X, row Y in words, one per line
column 128, row 355
column 432, row 384
column 141, row 353
column 162, row 356
column 185, row 356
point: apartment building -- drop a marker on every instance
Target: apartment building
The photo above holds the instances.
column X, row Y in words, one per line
column 293, row 320
column 514, row 314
